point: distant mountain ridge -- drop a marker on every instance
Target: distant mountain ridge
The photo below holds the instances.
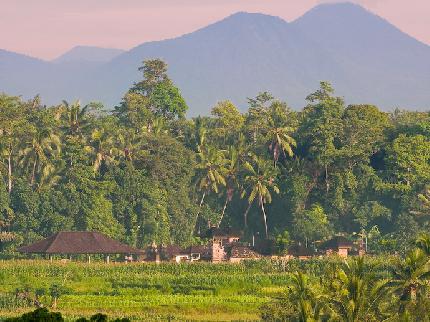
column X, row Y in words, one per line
column 367, row 59
column 88, row 54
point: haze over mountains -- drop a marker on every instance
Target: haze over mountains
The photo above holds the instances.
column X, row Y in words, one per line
column 367, row 59
column 91, row 54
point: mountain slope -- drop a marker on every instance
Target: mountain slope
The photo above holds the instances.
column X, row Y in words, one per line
column 232, row 59
column 367, row 59
column 384, row 65
column 88, row 54
column 18, row 73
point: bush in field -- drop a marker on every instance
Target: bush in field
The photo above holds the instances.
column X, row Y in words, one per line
column 55, row 291
column 100, row 317
column 39, row 315
column 43, row 315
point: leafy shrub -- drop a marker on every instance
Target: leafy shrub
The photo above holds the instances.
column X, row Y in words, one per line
column 38, row 315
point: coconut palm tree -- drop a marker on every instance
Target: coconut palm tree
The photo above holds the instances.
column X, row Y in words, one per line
column 232, row 166
column 411, row 277
column 357, row 295
column 102, row 147
column 75, row 117
column 44, row 147
column 50, row 175
column 423, row 243
column 425, row 199
column 234, row 160
column 259, row 181
column 310, row 305
column 280, row 141
column 211, row 168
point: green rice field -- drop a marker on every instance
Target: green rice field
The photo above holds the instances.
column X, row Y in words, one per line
column 151, row 292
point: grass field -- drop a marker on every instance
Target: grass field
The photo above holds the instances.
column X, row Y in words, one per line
column 142, row 291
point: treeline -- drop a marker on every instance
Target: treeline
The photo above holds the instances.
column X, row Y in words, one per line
column 143, row 173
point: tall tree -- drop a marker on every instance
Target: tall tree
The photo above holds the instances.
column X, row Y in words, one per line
column 211, row 170
column 320, row 128
column 43, row 147
column 259, row 180
column 13, row 131
column 410, row 278
column 356, row 297
column 278, row 134
column 163, row 98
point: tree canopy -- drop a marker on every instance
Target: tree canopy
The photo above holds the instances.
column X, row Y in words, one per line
column 144, row 173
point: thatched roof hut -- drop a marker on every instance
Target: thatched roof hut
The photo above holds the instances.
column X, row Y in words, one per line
column 79, row 242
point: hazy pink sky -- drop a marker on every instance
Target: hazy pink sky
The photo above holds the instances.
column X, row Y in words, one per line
column 47, row 28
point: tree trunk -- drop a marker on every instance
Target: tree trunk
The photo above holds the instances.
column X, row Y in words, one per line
column 264, row 217
column 245, row 215
column 413, row 293
column 327, row 185
column 9, row 160
column 198, row 212
column 203, row 199
column 223, row 210
column 54, row 302
column 33, row 174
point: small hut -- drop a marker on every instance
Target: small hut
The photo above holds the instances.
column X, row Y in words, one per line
column 80, row 242
column 337, row 245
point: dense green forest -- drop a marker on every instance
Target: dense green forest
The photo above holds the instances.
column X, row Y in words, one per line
column 143, row 173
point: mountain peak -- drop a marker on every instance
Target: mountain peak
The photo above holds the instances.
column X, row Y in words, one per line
column 245, row 22
column 249, row 17
column 366, row 58
column 339, row 12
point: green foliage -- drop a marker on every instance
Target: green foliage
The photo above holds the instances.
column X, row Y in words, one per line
column 148, row 291
column 282, row 242
column 312, row 224
column 40, row 314
column 356, row 290
column 143, row 173
column 43, row 315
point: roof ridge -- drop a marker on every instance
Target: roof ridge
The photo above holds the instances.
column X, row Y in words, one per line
column 53, row 241
column 94, row 235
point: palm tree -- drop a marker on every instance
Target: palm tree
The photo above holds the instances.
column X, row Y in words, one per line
column 50, row 175
column 75, row 117
column 259, row 180
column 411, row 276
column 425, row 199
column 44, row 147
column 423, row 243
column 280, row 141
column 234, row 160
column 102, row 146
column 231, row 171
column 357, row 296
column 211, row 170
column 310, row 306
column 159, row 126
column 129, row 145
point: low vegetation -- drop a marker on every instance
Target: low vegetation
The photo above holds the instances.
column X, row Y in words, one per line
column 320, row 289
